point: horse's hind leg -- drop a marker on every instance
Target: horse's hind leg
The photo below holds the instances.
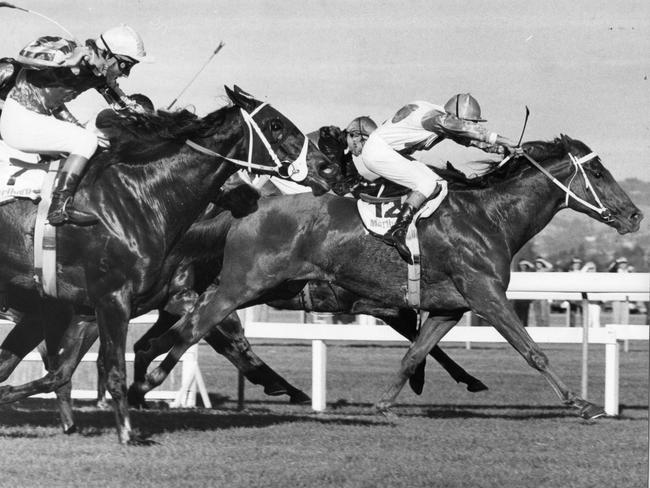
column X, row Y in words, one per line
column 76, row 341
column 433, row 329
column 63, row 394
column 406, row 324
column 236, row 348
column 22, row 339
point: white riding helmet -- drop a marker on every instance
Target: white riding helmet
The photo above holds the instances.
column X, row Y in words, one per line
column 123, row 40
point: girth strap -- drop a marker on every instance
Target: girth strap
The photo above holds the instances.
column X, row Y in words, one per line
column 45, row 237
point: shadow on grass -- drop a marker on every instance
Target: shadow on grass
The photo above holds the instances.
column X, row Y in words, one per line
column 93, row 422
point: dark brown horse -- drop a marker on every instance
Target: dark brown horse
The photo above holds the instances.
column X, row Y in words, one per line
column 467, row 247
column 146, row 193
column 201, row 249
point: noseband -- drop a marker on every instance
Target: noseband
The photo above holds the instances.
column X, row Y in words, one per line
column 295, row 170
column 578, row 163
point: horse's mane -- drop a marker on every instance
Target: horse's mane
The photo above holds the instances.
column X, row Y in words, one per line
column 143, row 137
column 538, row 150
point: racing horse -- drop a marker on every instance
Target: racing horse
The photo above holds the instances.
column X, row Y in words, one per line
column 201, row 250
column 466, row 247
column 74, row 341
column 146, row 192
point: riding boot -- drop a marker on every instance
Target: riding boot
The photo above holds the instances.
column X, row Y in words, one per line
column 396, row 235
column 62, row 207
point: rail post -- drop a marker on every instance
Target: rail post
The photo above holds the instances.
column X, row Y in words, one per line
column 612, row 357
column 319, row 375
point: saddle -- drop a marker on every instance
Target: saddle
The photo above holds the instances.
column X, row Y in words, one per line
column 378, row 214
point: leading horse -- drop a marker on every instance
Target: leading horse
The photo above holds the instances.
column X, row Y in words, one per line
column 467, row 247
column 146, row 193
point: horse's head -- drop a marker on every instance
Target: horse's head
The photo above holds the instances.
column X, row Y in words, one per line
column 591, row 189
column 276, row 145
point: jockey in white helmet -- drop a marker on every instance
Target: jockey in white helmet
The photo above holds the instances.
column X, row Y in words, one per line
column 35, row 118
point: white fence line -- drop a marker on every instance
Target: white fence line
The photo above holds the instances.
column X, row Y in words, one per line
column 191, row 377
column 565, row 286
column 611, row 335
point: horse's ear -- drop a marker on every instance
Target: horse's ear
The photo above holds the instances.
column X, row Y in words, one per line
column 242, row 99
column 566, row 142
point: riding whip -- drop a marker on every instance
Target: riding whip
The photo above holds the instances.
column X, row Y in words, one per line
column 9, row 5
column 524, row 128
column 510, row 156
column 215, row 52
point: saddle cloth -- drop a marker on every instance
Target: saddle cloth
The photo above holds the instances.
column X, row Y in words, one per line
column 20, row 174
column 379, row 214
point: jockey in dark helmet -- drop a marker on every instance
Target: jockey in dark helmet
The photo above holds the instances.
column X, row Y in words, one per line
column 419, row 126
column 35, row 118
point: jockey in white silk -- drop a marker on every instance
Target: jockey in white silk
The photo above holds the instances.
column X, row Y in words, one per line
column 419, row 126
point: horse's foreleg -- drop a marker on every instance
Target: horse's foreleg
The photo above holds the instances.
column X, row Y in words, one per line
column 238, row 351
column 145, row 352
column 102, row 400
column 490, row 302
column 113, row 312
column 433, row 329
column 210, row 310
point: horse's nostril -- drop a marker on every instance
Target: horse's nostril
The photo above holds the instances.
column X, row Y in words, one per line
column 327, row 171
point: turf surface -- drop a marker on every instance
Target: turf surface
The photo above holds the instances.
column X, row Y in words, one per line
column 515, row 434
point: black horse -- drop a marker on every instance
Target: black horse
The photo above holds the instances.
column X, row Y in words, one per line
column 201, row 249
column 467, row 247
column 146, row 193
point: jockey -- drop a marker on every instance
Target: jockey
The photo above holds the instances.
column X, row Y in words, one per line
column 344, row 147
column 419, row 126
column 35, row 118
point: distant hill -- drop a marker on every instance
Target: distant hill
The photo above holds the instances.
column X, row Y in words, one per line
column 573, row 234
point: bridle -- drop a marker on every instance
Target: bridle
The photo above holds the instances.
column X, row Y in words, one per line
column 294, row 170
column 577, row 163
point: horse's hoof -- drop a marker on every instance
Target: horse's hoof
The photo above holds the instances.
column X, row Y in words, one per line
column 591, row 411
column 135, row 398
column 383, row 408
column 70, row 430
column 476, row 386
column 275, row 390
column 416, row 382
column 299, row 397
column 141, row 441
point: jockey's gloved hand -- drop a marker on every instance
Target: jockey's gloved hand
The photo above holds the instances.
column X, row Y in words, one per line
column 514, row 150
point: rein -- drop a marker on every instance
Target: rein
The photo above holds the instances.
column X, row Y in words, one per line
column 296, row 170
column 603, row 211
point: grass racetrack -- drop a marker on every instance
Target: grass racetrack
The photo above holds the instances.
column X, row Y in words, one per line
column 516, row 434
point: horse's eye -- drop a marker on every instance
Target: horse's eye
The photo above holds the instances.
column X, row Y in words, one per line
column 276, row 125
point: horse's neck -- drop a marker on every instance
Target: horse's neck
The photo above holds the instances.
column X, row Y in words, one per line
column 170, row 193
column 522, row 207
